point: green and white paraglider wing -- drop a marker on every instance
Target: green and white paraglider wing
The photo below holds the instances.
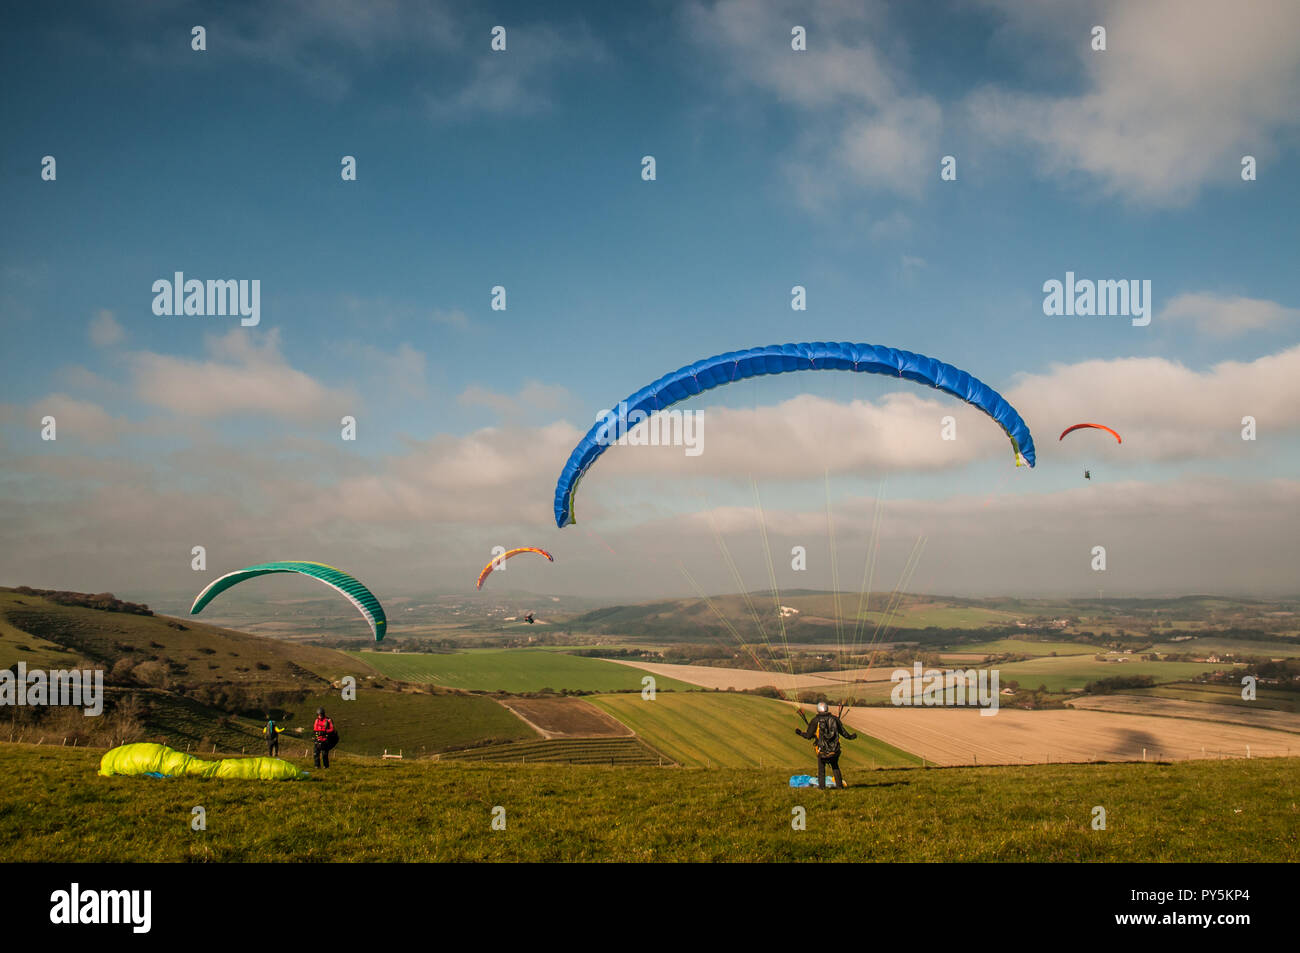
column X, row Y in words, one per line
column 336, row 579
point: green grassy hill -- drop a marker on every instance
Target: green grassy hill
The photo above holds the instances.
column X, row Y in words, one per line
column 692, row 620
column 184, row 651
column 1228, row 811
column 195, row 686
column 815, row 620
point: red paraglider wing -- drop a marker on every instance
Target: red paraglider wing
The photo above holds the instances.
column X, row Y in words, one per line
column 487, row 570
column 1118, row 438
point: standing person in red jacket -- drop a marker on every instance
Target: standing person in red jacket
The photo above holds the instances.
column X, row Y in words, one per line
column 327, row 737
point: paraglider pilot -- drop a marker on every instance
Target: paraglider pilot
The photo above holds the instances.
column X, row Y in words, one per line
column 825, row 731
column 327, row 737
column 271, row 731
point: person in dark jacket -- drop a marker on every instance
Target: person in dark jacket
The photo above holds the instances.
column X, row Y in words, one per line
column 825, row 731
column 327, row 737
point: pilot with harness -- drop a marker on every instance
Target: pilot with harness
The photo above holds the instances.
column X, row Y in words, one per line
column 271, row 731
column 825, row 731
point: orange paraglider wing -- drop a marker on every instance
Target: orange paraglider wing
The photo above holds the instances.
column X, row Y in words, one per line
column 487, row 570
column 1118, row 438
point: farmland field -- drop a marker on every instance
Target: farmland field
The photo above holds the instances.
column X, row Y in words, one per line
column 952, row 736
column 700, row 729
column 1136, row 704
column 924, row 615
column 1210, row 644
column 1022, row 647
column 509, row 670
column 566, row 717
column 1062, row 673
column 716, row 677
column 1214, row 694
column 743, row 679
column 605, row 751
column 416, row 723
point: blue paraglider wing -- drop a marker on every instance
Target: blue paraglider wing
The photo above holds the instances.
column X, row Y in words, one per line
column 780, row 359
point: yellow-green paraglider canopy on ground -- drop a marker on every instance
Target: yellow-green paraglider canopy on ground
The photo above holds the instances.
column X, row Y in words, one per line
column 158, row 761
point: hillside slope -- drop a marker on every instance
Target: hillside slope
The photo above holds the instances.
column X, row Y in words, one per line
column 201, row 687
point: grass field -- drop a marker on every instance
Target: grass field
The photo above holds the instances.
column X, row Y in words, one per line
column 509, row 670
column 18, row 645
column 721, row 729
column 1229, row 811
column 416, row 723
column 1235, row 646
column 1063, row 673
column 924, row 615
column 1022, row 647
column 606, row 751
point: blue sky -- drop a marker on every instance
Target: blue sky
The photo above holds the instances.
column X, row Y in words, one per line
column 522, row 169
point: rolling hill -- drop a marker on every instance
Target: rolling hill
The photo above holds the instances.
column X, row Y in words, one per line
column 201, row 687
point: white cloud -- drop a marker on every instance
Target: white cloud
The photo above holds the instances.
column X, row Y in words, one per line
column 532, row 399
column 402, row 371
column 516, row 81
column 312, row 40
column 862, row 126
column 414, row 518
column 453, row 318
column 800, row 438
column 77, row 421
column 105, row 331
column 245, row 375
column 1164, row 410
column 1192, row 534
column 1224, row 316
column 1186, row 88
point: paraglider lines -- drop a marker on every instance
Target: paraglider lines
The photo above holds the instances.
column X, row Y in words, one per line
column 771, row 573
column 740, row 583
column 722, row 618
column 835, row 568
